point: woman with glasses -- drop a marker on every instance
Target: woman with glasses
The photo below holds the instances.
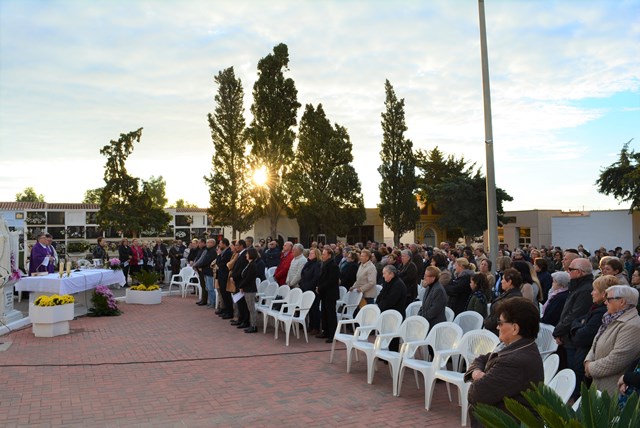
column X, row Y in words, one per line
column 515, row 363
column 617, row 342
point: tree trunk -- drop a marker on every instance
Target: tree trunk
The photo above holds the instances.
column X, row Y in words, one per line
column 396, row 238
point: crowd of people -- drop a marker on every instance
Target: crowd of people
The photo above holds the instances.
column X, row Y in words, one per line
column 590, row 299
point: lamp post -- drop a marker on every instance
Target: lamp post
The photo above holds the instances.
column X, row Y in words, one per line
column 492, row 208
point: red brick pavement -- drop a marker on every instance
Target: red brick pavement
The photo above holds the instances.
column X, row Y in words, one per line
column 179, row 365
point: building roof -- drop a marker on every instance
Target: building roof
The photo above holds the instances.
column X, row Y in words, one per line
column 19, row 206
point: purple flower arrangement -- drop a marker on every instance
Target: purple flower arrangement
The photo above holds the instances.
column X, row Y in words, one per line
column 104, row 304
column 114, row 264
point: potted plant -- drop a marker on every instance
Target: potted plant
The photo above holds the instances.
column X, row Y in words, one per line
column 147, row 292
column 50, row 315
column 104, row 303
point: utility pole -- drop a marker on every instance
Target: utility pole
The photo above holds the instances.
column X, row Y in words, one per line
column 492, row 208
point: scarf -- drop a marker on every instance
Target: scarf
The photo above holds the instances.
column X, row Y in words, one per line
column 607, row 319
column 480, row 295
column 552, row 294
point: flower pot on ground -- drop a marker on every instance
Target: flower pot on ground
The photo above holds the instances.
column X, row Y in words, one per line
column 148, row 292
column 50, row 315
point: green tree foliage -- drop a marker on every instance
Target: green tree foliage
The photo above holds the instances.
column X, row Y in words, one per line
column 29, row 195
column 275, row 106
column 232, row 196
column 458, row 190
column 92, row 196
column 181, row 203
column 622, row 178
column 398, row 206
column 326, row 195
column 127, row 203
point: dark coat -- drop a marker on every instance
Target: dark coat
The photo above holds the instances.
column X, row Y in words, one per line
column 260, row 267
column 348, row 274
column 417, row 260
column 433, row 303
column 584, row 329
column 223, row 271
column 491, row 322
column 508, row 373
column 409, row 275
column 238, row 267
column 459, row 291
column 272, row 257
column 546, row 280
column 393, row 296
column 248, row 277
column 310, row 275
column 554, row 309
column 329, row 281
column 125, row 254
column 578, row 303
column 204, row 263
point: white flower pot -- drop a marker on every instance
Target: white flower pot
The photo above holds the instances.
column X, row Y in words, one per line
column 153, row 297
column 50, row 321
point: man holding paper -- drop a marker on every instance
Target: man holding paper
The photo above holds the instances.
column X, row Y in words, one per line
column 42, row 257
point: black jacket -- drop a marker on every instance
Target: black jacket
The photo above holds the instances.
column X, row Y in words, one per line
column 310, row 275
column 578, row 303
column 329, row 281
column 459, row 291
column 205, row 262
column 348, row 274
column 584, row 328
column 223, row 271
column 554, row 309
column 248, row 276
column 238, row 267
column 491, row 322
column 272, row 257
column 125, row 253
column 393, row 296
column 409, row 275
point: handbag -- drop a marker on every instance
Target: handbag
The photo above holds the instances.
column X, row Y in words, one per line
column 231, row 285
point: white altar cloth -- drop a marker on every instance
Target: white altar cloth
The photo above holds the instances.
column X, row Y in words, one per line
column 78, row 281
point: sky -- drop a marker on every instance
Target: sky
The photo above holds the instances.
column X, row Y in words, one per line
column 565, row 86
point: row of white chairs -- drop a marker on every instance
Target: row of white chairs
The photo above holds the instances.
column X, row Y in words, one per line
column 187, row 278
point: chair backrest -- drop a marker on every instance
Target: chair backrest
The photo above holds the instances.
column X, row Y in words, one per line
column 449, row 314
column 388, row 322
column 186, row 273
column 550, row 364
column 343, row 293
column 294, row 297
column 469, row 320
column 83, row 262
column 412, row 329
column 351, row 299
column 283, row 291
column 563, row 383
column 545, row 340
column 378, row 290
column 421, row 291
column 368, row 315
column 306, row 302
column 476, row 343
column 261, row 286
column 412, row 309
column 258, row 282
column 270, row 272
column 444, row 335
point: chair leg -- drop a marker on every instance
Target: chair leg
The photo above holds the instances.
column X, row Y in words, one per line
column 287, row 329
column 429, row 385
column 371, row 368
column 333, row 348
column 304, row 328
column 465, row 406
column 349, row 351
column 394, row 366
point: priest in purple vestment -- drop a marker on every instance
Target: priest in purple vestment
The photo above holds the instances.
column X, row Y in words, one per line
column 42, row 258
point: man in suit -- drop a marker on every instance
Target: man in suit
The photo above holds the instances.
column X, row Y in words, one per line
column 236, row 274
column 203, row 266
column 222, row 274
column 328, row 290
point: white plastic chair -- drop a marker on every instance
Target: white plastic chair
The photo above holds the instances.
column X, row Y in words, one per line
column 288, row 318
column 82, row 263
column 576, row 405
column 181, row 278
column 421, row 291
column 294, row 296
column 265, row 289
column 546, row 342
column 270, row 272
column 387, row 323
column 550, row 364
column 469, row 321
column 563, row 383
column 378, row 290
column 412, row 329
column 264, row 305
column 366, row 319
column 193, row 281
column 412, row 309
column 443, row 336
column 351, row 302
column 449, row 314
column 472, row 344
column 341, row 298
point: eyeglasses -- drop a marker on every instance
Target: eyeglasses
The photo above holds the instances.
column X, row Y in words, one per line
column 500, row 323
column 573, row 269
column 613, row 298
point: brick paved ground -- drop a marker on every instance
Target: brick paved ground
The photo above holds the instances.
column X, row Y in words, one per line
column 179, row 365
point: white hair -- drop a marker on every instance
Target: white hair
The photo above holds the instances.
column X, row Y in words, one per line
column 629, row 294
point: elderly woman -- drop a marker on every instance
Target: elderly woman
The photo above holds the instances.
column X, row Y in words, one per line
column 308, row 282
column 366, row 277
column 435, row 298
column 617, row 343
column 511, row 368
column 459, row 289
column 392, row 296
column 584, row 328
column 552, row 309
column 511, row 281
column 408, row 272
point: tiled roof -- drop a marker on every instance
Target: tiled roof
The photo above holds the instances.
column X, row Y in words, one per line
column 191, row 210
column 19, row 206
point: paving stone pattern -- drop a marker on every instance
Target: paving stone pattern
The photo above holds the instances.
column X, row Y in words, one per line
column 179, row 365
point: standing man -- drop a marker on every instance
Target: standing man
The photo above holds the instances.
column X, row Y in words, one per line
column 328, row 290
column 282, row 270
column 578, row 304
column 272, row 254
column 295, row 270
column 203, row 265
column 223, row 274
column 175, row 255
column 125, row 254
column 200, row 253
column 42, row 258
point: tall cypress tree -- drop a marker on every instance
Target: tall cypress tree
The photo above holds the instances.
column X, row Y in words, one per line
column 275, row 106
column 232, row 201
column 326, row 195
column 398, row 207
